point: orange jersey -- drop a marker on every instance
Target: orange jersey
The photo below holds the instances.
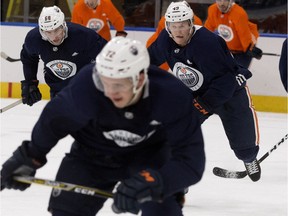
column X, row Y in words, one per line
column 233, row 26
column 99, row 18
column 160, row 27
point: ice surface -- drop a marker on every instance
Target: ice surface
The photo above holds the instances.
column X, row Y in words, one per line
column 212, row 196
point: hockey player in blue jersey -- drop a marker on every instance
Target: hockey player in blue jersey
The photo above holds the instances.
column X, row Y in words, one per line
column 131, row 124
column 202, row 61
column 63, row 47
column 283, row 65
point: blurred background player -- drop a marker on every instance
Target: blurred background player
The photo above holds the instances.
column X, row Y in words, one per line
column 160, row 27
column 283, row 64
column 232, row 23
column 98, row 15
column 64, row 49
column 202, row 61
column 119, row 113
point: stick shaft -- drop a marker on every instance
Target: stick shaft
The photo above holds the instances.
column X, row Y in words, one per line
column 65, row 186
column 10, row 106
column 273, row 148
column 271, row 54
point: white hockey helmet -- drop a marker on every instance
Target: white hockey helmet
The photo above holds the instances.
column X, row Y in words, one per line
column 51, row 18
column 123, row 58
column 178, row 12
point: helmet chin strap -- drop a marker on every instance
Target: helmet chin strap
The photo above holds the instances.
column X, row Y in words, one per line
column 137, row 92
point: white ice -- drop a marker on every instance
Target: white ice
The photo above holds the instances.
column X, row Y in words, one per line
column 212, row 196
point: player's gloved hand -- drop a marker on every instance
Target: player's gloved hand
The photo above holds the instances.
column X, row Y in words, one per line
column 19, row 164
column 255, row 52
column 30, row 92
column 203, row 109
column 142, row 187
column 121, row 33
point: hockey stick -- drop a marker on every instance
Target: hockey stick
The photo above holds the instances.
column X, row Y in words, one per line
column 241, row 174
column 11, row 106
column 65, row 186
column 271, row 54
column 8, row 58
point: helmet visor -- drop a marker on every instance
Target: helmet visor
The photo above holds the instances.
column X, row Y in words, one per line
column 107, row 84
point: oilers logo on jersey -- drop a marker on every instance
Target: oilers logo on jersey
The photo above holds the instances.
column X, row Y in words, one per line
column 225, row 32
column 125, row 138
column 62, row 69
column 95, row 24
column 190, row 76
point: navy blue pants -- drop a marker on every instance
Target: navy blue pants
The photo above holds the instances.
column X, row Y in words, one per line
column 102, row 172
column 240, row 123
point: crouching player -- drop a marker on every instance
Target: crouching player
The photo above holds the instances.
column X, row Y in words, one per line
column 121, row 115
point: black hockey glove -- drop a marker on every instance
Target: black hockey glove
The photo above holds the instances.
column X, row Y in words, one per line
column 19, row 164
column 142, row 187
column 255, row 52
column 203, row 109
column 30, row 92
column 121, row 33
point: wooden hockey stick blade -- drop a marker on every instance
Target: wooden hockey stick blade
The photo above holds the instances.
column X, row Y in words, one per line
column 5, row 56
column 65, row 186
column 220, row 172
column 271, row 54
column 11, row 106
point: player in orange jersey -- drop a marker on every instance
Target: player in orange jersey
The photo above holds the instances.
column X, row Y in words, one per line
column 231, row 22
column 160, row 27
column 98, row 15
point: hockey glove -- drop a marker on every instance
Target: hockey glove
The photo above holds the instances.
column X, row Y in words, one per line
column 30, row 92
column 203, row 109
column 19, row 164
column 121, row 33
column 142, row 187
column 255, row 52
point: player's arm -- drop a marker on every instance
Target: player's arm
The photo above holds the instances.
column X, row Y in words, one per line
column 155, row 50
column 187, row 163
column 160, row 27
column 245, row 35
column 197, row 20
column 58, row 118
column 76, row 15
column 283, row 64
column 94, row 43
column 210, row 21
column 30, row 59
column 115, row 18
column 221, row 67
column 243, row 30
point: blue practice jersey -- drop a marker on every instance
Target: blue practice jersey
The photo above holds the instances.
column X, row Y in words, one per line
column 164, row 114
column 61, row 63
column 283, row 64
column 205, row 65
